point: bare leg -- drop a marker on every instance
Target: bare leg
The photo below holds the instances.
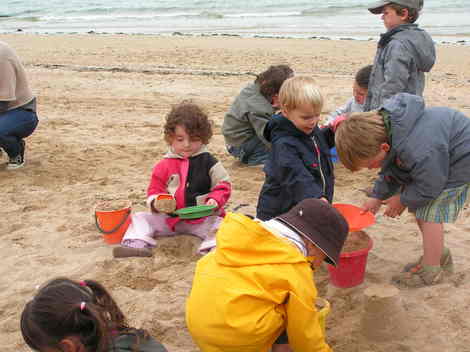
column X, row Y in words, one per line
column 433, row 242
column 281, row 348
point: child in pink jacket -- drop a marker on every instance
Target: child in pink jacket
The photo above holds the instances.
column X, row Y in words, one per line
column 190, row 174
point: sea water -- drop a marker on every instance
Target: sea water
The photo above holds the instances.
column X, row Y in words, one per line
column 445, row 20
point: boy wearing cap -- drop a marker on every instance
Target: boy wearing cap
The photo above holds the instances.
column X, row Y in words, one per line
column 404, row 53
column 424, row 157
column 258, row 282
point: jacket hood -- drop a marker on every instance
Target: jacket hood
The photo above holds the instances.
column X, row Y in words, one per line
column 404, row 112
column 417, row 42
column 280, row 126
column 172, row 155
column 242, row 241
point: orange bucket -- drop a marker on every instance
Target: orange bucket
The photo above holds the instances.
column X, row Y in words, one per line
column 113, row 224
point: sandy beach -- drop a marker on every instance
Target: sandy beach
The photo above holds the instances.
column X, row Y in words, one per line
column 102, row 101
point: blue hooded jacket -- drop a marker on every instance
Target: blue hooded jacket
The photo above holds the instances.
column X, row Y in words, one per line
column 298, row 167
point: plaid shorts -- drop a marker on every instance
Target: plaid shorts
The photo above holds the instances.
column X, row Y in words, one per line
column 446, row 207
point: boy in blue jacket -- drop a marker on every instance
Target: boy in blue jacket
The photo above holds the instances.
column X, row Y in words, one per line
column 424, row 157
column 298, row 166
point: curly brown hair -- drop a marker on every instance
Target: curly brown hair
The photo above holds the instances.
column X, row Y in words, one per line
column 271, row 80
column 190, row 116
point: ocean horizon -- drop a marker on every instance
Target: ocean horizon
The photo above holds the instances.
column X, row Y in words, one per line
column 445, row 20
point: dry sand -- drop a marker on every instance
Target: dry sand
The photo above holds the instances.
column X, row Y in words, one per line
column 102, row 100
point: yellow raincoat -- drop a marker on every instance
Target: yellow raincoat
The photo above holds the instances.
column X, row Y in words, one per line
column 251, row 288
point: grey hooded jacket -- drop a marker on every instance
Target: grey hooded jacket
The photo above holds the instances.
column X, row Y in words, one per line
column 404, row 53
column 248, row 116
column 430, row 151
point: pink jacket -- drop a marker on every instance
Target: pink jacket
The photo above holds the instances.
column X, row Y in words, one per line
column 192, row 181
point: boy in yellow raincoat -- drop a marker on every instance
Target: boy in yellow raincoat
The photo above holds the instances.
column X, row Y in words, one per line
column 258, row 283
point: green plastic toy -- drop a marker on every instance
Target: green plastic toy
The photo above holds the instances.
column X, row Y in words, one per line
column 195, row 212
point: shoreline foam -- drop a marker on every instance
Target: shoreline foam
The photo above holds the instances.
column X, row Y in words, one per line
column 458, row 39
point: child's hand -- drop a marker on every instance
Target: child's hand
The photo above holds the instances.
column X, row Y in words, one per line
column 394, row 206
column 167, row 206
column 372, row 205
column 337, row 121
column 211, row 201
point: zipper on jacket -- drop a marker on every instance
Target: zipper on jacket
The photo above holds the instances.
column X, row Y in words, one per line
column 319, row 164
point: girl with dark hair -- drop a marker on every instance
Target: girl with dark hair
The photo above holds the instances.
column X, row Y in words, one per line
column 72, row 316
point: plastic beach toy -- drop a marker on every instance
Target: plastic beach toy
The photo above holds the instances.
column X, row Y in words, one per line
column 113, row 224
column 165, row 203
column 334, row 155
column 195, row 212
column 355, row 216
column 323, row 307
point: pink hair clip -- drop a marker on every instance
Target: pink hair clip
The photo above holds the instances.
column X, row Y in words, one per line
column 82, row 283
column 82, row 306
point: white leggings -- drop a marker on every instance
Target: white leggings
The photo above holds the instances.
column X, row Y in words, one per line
column 145, row 227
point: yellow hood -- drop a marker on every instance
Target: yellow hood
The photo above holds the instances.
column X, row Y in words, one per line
column 244, row 242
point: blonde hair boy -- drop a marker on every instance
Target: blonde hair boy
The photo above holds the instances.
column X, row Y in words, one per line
column 299, row 164
column 298, row 91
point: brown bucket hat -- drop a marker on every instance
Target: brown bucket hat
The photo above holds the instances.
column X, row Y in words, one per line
column 377, row 7
column 321, row 224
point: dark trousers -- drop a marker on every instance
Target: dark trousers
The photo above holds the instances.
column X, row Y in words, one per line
column 15, row 125
column 252, row 152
